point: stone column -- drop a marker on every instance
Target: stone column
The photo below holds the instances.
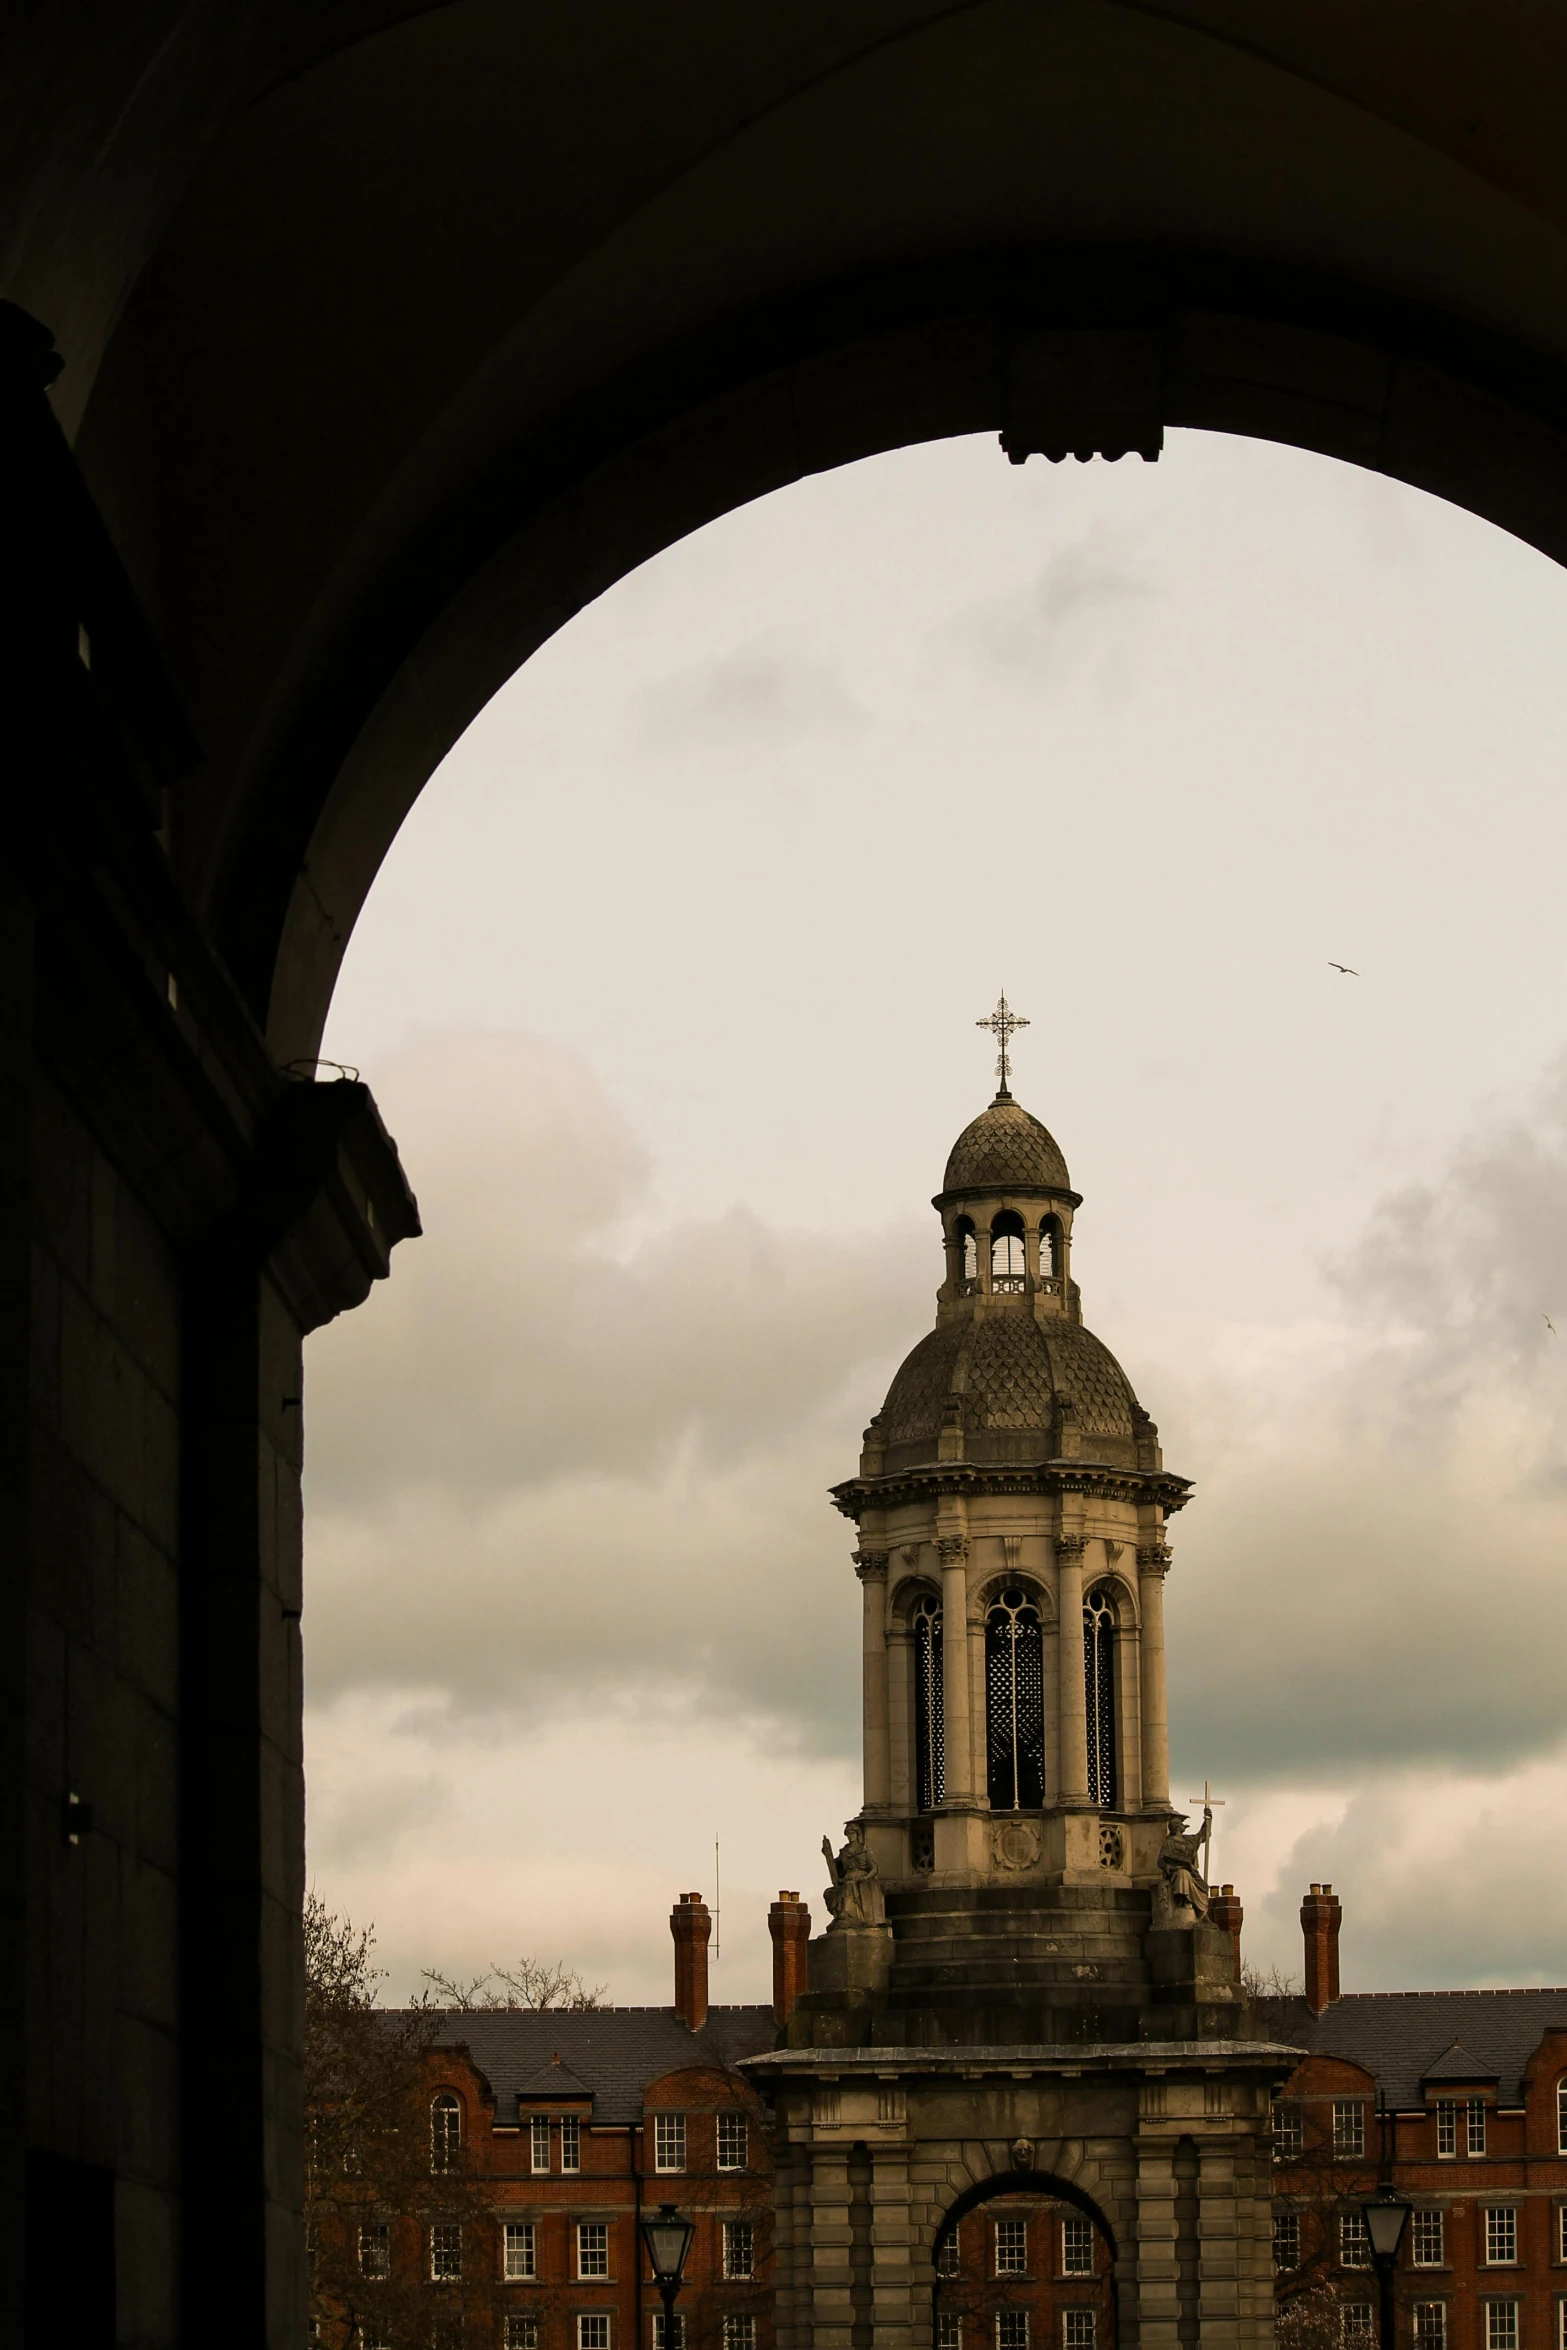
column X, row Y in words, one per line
column 1153, row 1564
column 831, row 2322
column 1072, row 1699
column 892, row 2236
column 953, row 1554
column 871, row 1567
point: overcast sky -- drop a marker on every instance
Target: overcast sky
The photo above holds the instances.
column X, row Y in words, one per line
column 668, row 993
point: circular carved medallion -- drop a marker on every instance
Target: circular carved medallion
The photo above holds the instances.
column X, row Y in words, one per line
column 1016, row 1845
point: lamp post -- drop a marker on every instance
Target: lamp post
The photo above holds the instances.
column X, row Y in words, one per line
column 1386, row 2216
column 667, row 2235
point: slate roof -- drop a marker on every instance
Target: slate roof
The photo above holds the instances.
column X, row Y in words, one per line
column 1405, row 2038
column 611, row 2052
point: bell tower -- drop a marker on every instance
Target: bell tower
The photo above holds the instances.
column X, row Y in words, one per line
column 1021, row 1998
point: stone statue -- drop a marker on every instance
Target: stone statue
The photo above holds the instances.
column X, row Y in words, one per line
column 1183, row 1885
column 854, row 1897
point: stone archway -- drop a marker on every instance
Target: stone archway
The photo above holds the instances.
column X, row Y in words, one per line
column 392, row 333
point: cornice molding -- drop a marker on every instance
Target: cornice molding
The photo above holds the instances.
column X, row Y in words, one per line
column 1007, row 1480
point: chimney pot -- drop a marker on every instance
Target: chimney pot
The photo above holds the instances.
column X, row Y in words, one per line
column 1320, row 1918
column 1225, row 1911
column 789, row 1923
column 692, row 1928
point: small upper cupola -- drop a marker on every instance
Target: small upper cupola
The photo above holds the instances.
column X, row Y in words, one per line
column 1006, row 1199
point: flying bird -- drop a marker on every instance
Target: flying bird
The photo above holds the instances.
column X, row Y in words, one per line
column 1344, row 967
column 1549, row 1324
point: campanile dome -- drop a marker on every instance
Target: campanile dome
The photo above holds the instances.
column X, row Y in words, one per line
column 1005, row 1148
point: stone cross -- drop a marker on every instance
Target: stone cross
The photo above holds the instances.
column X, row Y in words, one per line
column 1210, row 1804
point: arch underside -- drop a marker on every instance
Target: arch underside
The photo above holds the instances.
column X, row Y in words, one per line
column 928, row 354
column 433, row 324
column 1073, row 2183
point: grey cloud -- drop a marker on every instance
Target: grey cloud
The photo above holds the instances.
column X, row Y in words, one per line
column 1378, row 1580
column 772, row 689
column 1028, row 635
column 550, row 1458
column 1429, row 1871
column 525, row 1340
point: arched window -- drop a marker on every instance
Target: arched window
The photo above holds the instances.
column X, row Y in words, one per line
column 1007, row 1261
column 1015, row 1703
column 964, row 1231
column 1099, row 1677
column 445, row 2131
column 930, row 1742
column 1049, row 1249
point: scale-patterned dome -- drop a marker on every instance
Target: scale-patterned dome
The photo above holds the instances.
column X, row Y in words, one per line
column 1007, row 1371
column 1005, row 1149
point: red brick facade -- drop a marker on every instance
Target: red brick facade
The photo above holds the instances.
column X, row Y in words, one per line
column 1460, row 2100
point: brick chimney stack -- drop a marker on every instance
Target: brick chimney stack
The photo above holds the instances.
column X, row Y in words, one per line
column 1224, row 1910
column 692, row 1926
column 789, row 1923
column 1319, row 1920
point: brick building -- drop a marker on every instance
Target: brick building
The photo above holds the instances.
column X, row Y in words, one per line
column 1460, row 2099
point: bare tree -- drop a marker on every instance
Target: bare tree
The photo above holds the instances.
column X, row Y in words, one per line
column 533, row 1983
column 402, row 2244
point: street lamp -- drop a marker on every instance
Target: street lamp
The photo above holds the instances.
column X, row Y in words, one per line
column 667, row 2236
column 1386, row 2216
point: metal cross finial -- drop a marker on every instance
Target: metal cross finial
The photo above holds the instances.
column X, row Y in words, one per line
column 1003, row 1025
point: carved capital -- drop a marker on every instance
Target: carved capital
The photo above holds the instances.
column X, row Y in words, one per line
column 952, row 1549
column 1154, row 1558
column 871, row 1565
column 1070, row 1547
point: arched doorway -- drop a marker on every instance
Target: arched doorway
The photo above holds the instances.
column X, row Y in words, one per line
column 1024, row 2261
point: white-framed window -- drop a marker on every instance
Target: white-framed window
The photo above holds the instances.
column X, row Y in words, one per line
column 663, row 2339
column 1561, row 2233
column 1446, row 2151
column 1077, row 2247
column 1501, row 2236
column 733, row 2141
column 570, row 2142
column 445, row 2130
column 1476, row 2125
column 592, row 2248
column 1561, row 2325
column 1427, row 2238
column 1349, row 2125
column 1011, row 2329
column 1078, row 2330
column 1011, row 2247
column 1354, row 2245
column 519, row 2251
column 541, row 2142
column 1286, row 2239
column 739, row 2333
column 947, row 2254
column 446, row 2251
column 1561, row 2116
column 593, row 2330
column 1501, row 2325
column 669, row 2141
column 949, row 2330
column 1356, row 2324
column 375, row 2249
column 1430, row 2325
column 1289, row 2135
column 519, row 2332
column 739, row 2248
